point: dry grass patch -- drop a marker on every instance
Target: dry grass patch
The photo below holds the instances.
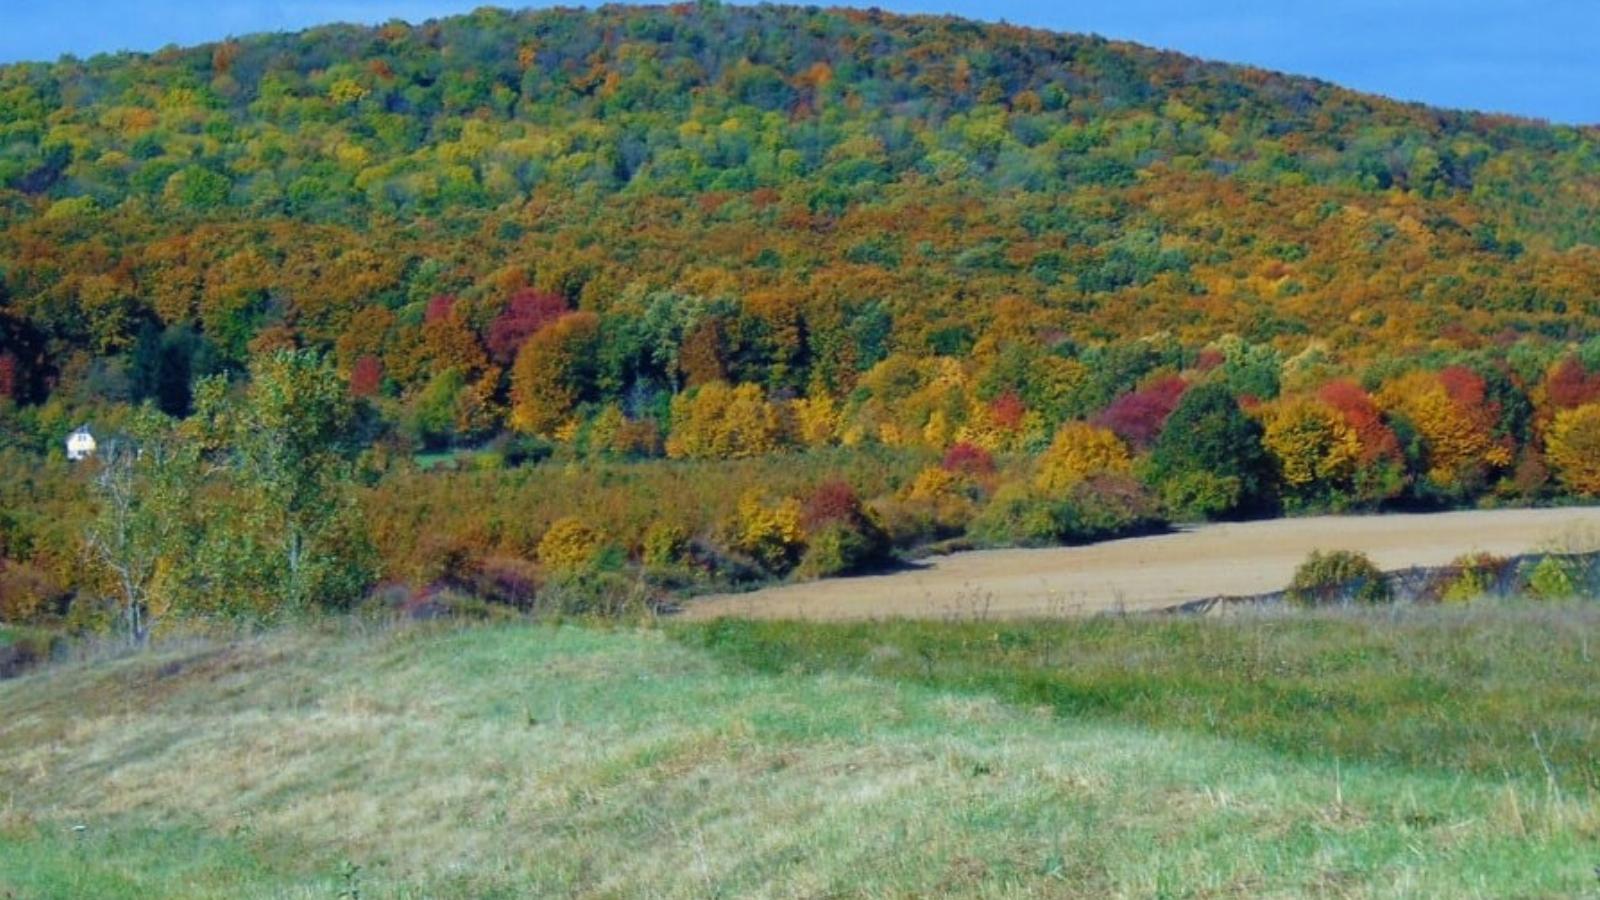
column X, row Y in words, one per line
column 518, row 761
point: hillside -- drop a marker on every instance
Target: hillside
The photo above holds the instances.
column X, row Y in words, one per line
column 733, row 293
column 837, row 184
column 522, row 761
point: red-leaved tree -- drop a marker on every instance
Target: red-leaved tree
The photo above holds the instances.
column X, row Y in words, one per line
column 1571, row 384
column 1138, row 417
column 832, row 502
column 526, row 312
column 968, row 459
column 1008, row 410
column 438, row 309
column 1362, row 414
column 366, row 376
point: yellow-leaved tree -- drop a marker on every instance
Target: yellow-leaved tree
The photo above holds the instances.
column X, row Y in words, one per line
column 569, row 545
column 718, row 421
column 1079, row 451
column 1573, row 447
column 816, row 419
column 771, row 530
column 1313, row 444
column 1458, row 441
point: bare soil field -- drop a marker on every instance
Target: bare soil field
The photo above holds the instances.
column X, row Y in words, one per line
column 1158, row 571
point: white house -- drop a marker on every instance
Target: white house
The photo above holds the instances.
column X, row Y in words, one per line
column 80, row 444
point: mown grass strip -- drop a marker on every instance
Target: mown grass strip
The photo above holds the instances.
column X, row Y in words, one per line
column 1502, row 690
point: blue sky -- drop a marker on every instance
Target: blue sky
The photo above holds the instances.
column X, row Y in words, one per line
column 1531, row 57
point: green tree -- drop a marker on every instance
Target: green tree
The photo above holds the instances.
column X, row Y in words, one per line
column 1208, row 434
column 285, row 444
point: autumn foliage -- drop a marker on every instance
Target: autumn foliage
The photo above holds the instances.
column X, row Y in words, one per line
column 1573, row 448
column 719, row 421
column 526, row 312
column 553, row 372
column 852, row 275
column 1078, row 452
column 1313, row 445
column 1137, row 417
column 1450, row 413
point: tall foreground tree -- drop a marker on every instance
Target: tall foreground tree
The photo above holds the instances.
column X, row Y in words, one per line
column 143, row 527
column 244, row 509
column 288, row 447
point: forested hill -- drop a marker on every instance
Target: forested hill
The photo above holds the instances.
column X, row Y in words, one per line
column 826, row 187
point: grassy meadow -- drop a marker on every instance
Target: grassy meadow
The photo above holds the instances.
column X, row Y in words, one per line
column 1173, row 758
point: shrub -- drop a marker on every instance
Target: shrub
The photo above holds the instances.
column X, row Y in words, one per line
column 522, row 449
column 841, row 535
column 609, row 595
column 937, row 504
column 837, row 549
column 832, row 501
column 23, row 650
column 664, row 545
column 1552, row 579
column 1341, row 576
column 1107, row 506
column 570, row 546
column 1472, row 576
column 507, row 581
column 770, row 531
column 1101, row 507
column 1016, row 516
column 1193, row 496
column 450, row 603
column 26, row 594
column 909, row 522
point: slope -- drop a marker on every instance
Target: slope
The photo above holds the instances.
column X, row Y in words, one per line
column 519, row 761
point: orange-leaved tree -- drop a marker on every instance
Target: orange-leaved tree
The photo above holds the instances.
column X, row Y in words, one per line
column 1455, row 427
column 552, row 373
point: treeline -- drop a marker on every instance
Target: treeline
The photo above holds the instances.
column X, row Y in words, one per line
column 284, row 492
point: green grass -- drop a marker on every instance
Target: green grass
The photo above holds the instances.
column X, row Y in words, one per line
column 16, row 634
column 554, row 761
column 1486, row 689
column 438, row 458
